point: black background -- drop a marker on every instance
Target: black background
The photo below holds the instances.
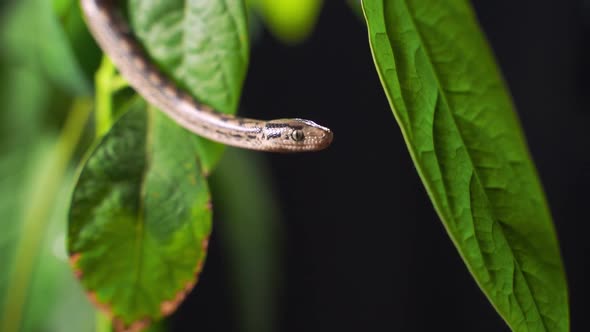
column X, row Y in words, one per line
column 365, row 250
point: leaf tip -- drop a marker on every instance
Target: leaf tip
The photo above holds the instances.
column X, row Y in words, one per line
column 168, row 307
column 118, row 324
column 137, row 326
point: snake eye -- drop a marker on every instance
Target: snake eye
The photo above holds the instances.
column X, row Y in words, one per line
column 297, row 135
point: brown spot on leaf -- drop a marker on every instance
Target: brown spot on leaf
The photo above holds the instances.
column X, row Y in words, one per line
column 190, row 285
column 118, row 324
column 136, row 326
column 75, row 258
column 168, row 307
column 74, row 264
column 199, row 267
column 99, row 305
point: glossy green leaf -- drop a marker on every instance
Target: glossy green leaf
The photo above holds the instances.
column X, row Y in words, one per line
column 465, row 139
column 140, row 218
column 203, row 46
column 291, row 21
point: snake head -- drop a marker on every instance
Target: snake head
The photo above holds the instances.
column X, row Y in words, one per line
column 296, row 135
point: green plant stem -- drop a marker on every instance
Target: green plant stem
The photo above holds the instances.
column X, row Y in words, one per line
column 118, row 83
column 107, row 83
column 103, row 322
column 104, row 103
column 37, row 215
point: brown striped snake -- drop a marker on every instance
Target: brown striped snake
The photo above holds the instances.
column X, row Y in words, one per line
column 115, row 38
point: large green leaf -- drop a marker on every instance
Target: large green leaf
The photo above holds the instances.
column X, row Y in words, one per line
column 140, row 218
column 202, row 45
column 140, row 215
column 467, row 144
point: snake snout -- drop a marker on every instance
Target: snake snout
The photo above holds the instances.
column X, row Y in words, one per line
column 325, row 138
column 328, row 136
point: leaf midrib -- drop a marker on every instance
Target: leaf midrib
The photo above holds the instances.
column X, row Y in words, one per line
column 140, row 239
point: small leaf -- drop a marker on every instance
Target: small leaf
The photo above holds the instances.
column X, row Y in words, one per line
column 467, row 144
column 203, row 46
column 140, row 218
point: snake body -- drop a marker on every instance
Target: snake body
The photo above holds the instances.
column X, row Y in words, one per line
column 115, row 38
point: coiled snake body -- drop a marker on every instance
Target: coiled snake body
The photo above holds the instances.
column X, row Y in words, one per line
column 115, row 38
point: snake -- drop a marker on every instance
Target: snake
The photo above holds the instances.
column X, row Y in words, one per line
column 114, row 36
